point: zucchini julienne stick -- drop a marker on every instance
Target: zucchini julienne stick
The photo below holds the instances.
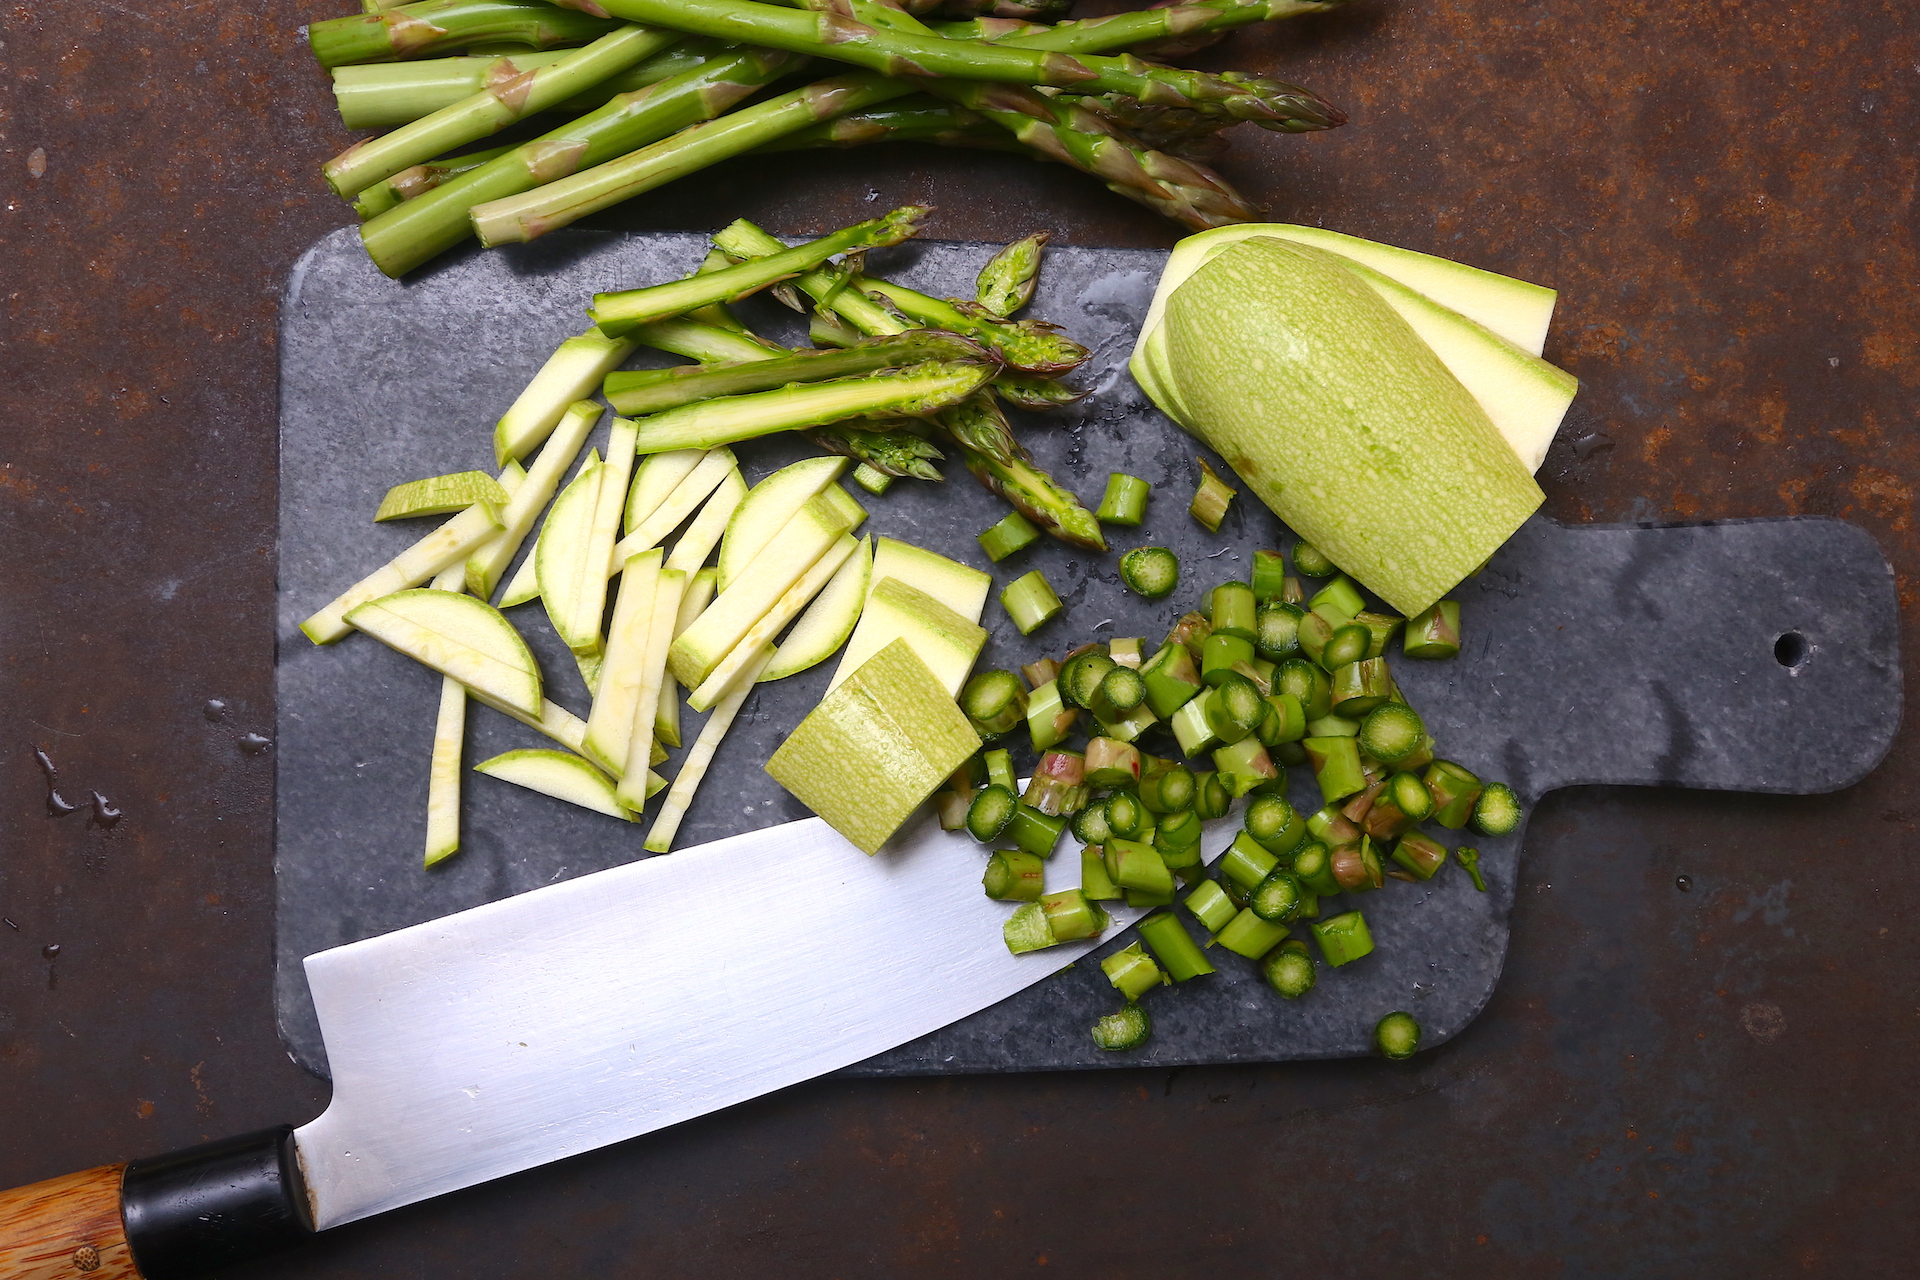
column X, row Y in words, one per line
column 617, row 313
column 449, row 740
column 412, row 233
column 700, row 756
column 491, row 109
column 656, row 390
column 770, row 624
column 610, row 719
column 570, row 375
column 665, row 614
column 449, row 544
column 435, row 27
column 914, row 391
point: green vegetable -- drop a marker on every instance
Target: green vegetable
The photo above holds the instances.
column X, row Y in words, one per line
column 1211, row 798
column 1072, row 915
column 1339, row 598
column 1246, row 767
column 1173, row 947
column 1469, row 860
column 872, row 479
column 1014, row 533
column 1033, row 831
column 1403, row 802
column 1171, row 678
column 1211, row 906
column 1089, row 825
column 1167, row 789
column 1336, row 766
column 1347, row 645
column 1026, row 929
column 1125, row 501
column 1128, row 1028
column 1307, row 682
column 1313, row 866
column 1235, row 708
column 1014, row 876
column 1343, row 938
column 1233, row 610
column 990, row 813
column 1289, row 970
column 1222, row 656
column 1454, row 791
column 1269, row 576
column 1081, row 675
column 1250, row 936
column 1126, row 817
column 1360, row 687
column 1094, row 880
column 1132, row 972
column 1120, row 692
column 1312, row 561
column 1030, row 601
column 1380, row 629
column 1397, row 1036
column 1287, row 724
column 994, row 702
column 1420, row 854
column 1134, row 865
column 1049, row 719
column 1111, row 763
column 1392, row 731
column 1246, row 863
column 1276, row 898
column 1428, row 487
column 1497, row 812
column 1006, row 282
column 999, row 767
column 1435, row 633
column 1058, row 786
column 646, row 391
column 1211, row 499
column 1150, row 571
column 1277, row 631
column 442, row 26
column 1275, row 824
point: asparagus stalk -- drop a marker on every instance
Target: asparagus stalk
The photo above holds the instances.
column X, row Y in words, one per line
column 442, row 26
column 618, row 313
column 1143, row 26
column 492, row 108
column 706, row 343
column 385, row 95
column 525, row 217
column 406, row 236
column 1035, row 495
column 411, row 183
column 656, row 390
column 918, row 119
column 913, row 392
column 1025, row 10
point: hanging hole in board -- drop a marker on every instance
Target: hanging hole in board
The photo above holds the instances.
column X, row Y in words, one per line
column 1791, row 650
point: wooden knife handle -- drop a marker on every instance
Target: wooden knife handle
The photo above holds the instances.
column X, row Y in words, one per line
column 178, row 1216
column 66, row 1228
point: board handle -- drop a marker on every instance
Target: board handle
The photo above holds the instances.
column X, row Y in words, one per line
column 179, row 1216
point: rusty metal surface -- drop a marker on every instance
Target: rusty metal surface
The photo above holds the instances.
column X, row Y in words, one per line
column 1712, row 1081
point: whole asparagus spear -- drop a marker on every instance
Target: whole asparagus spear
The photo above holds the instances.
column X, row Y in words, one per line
column 524, row 217
column 406, row 236
column 976, row 425
column 619, row 312
column 918, row 119
column 636, row 392
column 492, row 108
column 385, row 95
column 891, row 41
column 420, row 179
column 442, row 26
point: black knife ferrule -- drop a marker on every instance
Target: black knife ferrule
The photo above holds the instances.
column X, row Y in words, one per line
column 197, row 1211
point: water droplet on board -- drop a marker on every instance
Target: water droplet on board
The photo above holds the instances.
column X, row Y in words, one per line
column 215, row 710
column 253, row 744
column 51, row 950
column 57, row 804
column 105, row 814
column 1683, row 883
column 1591, row 443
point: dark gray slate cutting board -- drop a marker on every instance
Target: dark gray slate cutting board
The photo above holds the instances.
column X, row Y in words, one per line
column 1637, row 655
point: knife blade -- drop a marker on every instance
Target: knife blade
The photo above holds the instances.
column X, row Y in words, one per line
column 575, row 1015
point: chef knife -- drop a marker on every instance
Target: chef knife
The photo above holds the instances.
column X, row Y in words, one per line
column 557, row 1021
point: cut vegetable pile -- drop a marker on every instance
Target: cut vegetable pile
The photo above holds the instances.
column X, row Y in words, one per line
column 1392, row 406
column 636, row 93
column 619, row 561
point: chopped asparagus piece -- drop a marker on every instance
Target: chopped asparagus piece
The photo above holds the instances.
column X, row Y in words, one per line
column 1126, row 1028
column 1030, row 601
column 1173, row 947
column 1014, row 533
column 1152, row 572
column 1125, row 501
column 990, row 813
column 1014, row 875
column 1310, row 560
column 1497, row 812
column 1211, row 499
column 1469, row 860
column 1133, row 972
column 1435, row 633
column 1290, row 970
column 1397, row 1036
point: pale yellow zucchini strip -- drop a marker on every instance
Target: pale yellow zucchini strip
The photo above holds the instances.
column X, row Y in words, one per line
column 666, row 609
column 771, row 624
column 610, row 722
column 694, row 768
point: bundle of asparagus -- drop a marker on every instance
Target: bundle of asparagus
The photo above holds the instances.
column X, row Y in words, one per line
column 651, row 90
